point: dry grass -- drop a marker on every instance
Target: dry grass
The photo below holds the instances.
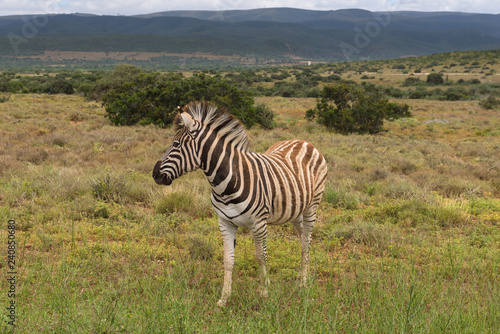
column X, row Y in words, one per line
column 407, row 235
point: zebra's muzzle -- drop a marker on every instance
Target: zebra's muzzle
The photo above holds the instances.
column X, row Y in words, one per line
column 160, row 178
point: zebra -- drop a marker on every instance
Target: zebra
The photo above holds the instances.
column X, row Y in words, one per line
column 253, row 190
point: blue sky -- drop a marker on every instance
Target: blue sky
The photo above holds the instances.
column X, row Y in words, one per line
column 131, row 7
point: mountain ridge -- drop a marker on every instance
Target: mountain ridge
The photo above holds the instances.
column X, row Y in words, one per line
column 333, row 35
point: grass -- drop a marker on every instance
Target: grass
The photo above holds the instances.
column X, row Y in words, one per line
column 407, row 240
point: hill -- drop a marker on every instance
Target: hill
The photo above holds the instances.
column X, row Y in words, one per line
column 279, row 33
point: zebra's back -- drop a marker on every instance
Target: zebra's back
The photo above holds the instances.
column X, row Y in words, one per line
column 297, row 171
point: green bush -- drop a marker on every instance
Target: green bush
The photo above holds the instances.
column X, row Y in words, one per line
column 59, row 86
column 435, row 79
column 265, row 116
column 153, row 98
column 108, row 188
column 455, row 94
column 490, row 102
column 146, row 98
column 420, row 93
column 122, row 74
column 350, row 109
column 411, row 81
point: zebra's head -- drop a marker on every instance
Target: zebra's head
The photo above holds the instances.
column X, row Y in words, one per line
column 182, row 156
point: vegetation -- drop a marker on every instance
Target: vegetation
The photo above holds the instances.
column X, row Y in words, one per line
column 461, row 79
column 435, row 79
column 268, row 33
column 355, row 110
column 407, row 240
column 491, row 102
column 153, row 98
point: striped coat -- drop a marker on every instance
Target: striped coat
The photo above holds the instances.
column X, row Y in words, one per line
column 249, row 189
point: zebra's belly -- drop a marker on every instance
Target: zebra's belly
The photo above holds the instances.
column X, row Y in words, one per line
column 238, row 214
column 248, row 212
column 282, row 219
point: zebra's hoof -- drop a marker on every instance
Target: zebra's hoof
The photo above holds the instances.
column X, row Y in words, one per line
column 221, row 303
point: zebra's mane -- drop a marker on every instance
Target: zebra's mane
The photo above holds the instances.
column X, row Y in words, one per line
column 210, row 115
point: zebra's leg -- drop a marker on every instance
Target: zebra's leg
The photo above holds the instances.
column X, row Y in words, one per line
column 260, row 237
column 228, row 231
column 298, row 225
column 309, row 218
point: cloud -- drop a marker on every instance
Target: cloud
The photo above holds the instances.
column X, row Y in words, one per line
column 473, row 6
column 130, row 7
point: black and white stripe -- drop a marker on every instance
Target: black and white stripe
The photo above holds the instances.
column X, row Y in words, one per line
column 249, row 189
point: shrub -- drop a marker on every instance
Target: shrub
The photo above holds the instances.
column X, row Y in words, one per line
column 354, row 109
column 108, row 187
column 59, row 86
column 490, row 102
column 411, row 81
column 398, row 67
column 455, row 94
column 200, row 249
column 420, row 93
column 435, row 79
column 123, row 73
column 153, row 98
column 265, row 116
column 148, row 98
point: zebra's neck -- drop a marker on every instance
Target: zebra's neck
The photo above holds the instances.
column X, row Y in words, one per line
column 223, row 167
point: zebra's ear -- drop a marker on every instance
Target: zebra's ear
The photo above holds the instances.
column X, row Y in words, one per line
column 188, row 122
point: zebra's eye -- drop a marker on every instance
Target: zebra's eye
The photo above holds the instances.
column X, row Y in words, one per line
column 176, row 144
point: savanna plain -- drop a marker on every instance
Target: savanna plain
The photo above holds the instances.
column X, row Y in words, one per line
column 407, row 239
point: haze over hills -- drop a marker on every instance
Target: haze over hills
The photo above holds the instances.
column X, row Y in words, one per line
column 268, row 33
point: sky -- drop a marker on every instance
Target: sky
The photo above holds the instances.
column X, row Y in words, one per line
column 132, row 7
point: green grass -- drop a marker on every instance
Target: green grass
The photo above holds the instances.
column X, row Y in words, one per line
column 407, row 240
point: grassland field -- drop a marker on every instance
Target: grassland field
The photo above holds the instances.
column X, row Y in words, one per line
column 407, row 240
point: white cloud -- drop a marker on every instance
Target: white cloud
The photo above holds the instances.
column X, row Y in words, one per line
column 472, row 6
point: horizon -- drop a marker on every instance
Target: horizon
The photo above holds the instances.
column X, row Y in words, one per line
column 135, row 7
column 250, row 9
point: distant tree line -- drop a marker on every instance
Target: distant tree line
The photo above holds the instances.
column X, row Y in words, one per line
column 299, row 81
column 132, row 95
column 65, row 82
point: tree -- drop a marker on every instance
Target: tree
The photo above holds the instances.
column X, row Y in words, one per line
column 59, row 86
column 352, row 109
column 149, row 98
column 435, row 79
column 153, row 98
column 122, row 74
